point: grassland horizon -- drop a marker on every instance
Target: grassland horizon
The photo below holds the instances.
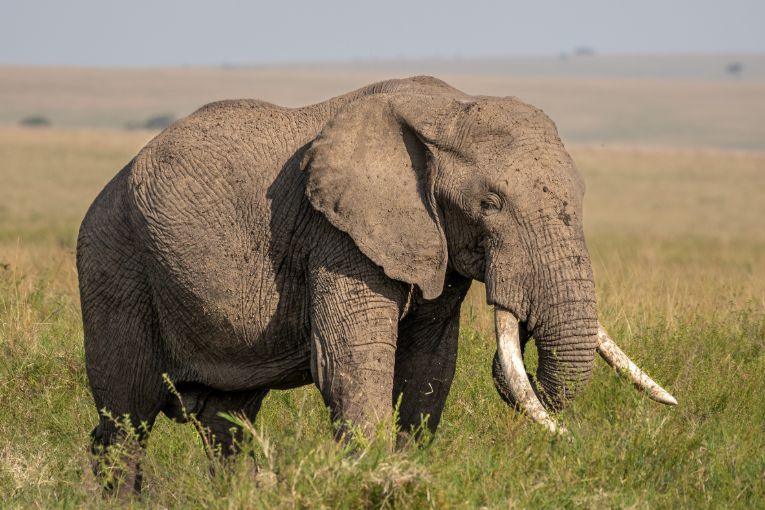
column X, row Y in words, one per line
column 592, row 106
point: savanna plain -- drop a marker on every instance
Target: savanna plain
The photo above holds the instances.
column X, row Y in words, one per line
column 677, row 238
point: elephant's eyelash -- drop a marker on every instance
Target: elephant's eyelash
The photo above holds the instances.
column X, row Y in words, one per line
column 491, row 204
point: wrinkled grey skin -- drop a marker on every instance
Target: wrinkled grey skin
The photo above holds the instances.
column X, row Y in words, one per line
column 250, row 247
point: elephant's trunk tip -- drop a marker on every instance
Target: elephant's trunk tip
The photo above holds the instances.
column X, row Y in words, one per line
column 615, row 357
column 513, row 371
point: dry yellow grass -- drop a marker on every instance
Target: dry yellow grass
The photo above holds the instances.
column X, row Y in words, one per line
column 668, row 192
column 49, row 177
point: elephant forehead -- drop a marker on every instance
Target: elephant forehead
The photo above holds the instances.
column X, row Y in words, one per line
column 538, row 177
column 505, row 133
column 509, row 118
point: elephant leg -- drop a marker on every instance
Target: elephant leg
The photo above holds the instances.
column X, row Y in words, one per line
column 427, row 355
column 124, row 358
column 218, row 433
column 124, row 363
column 355, row 311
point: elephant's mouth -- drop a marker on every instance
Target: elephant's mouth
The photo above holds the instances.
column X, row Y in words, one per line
column 511, row 378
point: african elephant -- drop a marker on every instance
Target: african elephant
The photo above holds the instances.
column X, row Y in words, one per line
column 251, row 247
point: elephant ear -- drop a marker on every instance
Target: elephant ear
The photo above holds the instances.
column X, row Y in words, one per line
column 369, row 172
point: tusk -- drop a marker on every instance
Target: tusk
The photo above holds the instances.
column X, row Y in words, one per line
column 514, row 371
column 615, row 357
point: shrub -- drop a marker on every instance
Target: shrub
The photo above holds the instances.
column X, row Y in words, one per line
column 159, row 121
column 35, row 121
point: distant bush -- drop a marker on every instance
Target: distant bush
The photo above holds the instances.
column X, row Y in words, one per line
column 584, row 51
column 155, row 122
column 159, row 121
column 34, row 121
column 734, row 69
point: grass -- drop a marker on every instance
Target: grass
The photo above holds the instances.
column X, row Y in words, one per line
column 679, row 253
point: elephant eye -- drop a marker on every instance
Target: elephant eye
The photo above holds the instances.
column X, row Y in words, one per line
column 491, row 204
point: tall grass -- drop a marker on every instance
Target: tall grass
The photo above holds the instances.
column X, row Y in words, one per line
column 690, row 308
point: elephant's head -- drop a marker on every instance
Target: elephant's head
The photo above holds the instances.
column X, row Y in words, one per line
column 425, row 183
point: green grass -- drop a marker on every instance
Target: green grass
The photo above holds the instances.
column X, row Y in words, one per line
column 687, row 306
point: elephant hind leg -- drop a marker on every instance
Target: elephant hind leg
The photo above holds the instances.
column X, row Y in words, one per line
column 125, row 363
column 124, row 357
column 116, row 449
column 203, row 406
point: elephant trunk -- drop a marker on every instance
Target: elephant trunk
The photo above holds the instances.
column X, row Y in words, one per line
column 556, row 301
column 566, row 351
column 564, row 320
column 566, row 354
column 562, row 317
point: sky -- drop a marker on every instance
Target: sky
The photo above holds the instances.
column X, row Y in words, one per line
column 198, row 32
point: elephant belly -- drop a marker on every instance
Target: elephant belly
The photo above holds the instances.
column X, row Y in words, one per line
column 233, row 337
column 231, row 302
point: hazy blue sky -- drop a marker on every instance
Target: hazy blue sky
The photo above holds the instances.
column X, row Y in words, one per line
column 171, row 32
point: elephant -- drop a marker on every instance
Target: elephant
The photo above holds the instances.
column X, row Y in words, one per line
column 251, row 247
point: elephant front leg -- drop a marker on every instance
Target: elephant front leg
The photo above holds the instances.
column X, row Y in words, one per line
column 354, row 325
column 427, row 356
